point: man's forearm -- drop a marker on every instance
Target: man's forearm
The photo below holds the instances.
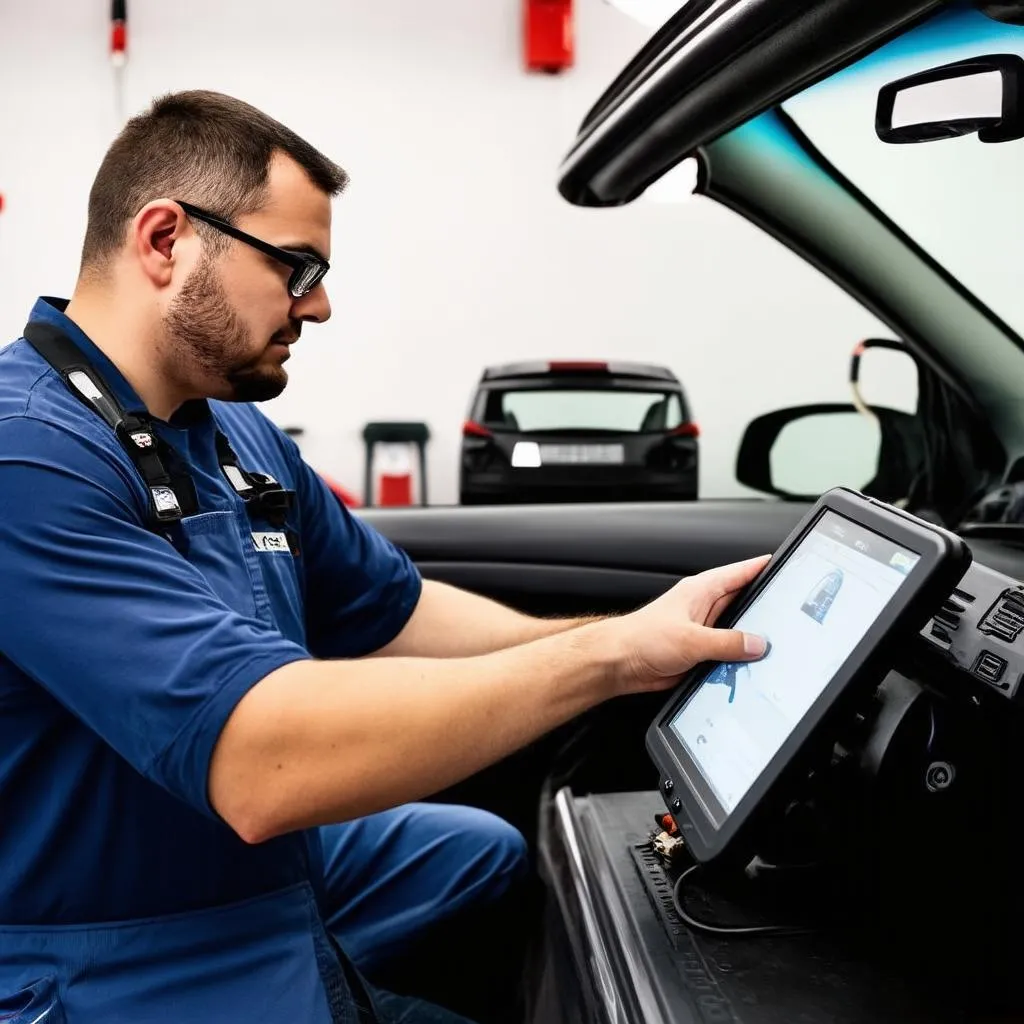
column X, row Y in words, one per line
column 318, row 742
column 453, row 623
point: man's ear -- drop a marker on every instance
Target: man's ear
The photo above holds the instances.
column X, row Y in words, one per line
column 156, row 236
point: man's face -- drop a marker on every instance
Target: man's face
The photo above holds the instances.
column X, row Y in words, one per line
column 230, row 326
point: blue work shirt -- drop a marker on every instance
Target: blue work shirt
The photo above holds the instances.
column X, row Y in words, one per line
column 122, row 658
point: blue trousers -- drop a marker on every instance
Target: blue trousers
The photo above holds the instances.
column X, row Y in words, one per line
column 392, row 876
column 389, row 877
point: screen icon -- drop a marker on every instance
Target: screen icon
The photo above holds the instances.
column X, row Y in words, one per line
column 902, row 562
column 819, row 601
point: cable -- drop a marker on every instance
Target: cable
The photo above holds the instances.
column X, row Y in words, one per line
column 860, row 405
column 858, row 399
column 717, row 929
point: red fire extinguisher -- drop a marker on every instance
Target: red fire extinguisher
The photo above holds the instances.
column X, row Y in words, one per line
column 118, row 32
column 548, row 35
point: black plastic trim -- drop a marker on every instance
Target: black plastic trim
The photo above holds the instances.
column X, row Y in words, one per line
column 648, row 59
column 1010, row 11
column 614, row 976
column 550, row 580
column 673, row 537
column 770, row 52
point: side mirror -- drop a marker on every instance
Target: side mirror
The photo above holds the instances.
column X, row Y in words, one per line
column 799, row 453
column 982, row 95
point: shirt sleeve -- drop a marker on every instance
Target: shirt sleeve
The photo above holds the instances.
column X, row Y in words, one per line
column 361, row 589
column 110, row 619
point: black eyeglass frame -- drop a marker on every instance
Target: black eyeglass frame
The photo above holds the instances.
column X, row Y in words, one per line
column 307, row 270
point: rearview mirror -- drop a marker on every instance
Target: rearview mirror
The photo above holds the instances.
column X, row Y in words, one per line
column 981, row 95
column 800, row 453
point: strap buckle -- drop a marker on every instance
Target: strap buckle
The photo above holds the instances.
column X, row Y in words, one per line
column 272, row 501
column 263, row 494
column 165, row 506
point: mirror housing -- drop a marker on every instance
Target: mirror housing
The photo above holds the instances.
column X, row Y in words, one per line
column 981, row 95
column 900, row 451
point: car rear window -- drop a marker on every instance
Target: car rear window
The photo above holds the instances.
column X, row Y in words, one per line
column 553, row 409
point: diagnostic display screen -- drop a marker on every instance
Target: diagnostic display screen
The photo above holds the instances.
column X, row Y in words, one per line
column 815, row 609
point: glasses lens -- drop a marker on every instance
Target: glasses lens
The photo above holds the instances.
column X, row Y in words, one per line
column 306, row 278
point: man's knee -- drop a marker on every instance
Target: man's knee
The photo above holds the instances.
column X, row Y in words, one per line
column 486, row 854
column 398, row 872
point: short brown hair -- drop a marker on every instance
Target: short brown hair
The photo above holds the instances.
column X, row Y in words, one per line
column 204, row 147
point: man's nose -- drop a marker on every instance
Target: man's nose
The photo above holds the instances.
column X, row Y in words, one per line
column 314, row 307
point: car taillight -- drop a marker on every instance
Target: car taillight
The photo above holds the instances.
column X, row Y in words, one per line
column 473, row 429
column 685, row 430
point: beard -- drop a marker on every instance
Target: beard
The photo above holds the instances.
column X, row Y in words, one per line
column 209, row 341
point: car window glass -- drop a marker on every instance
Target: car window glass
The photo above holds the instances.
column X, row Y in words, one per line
column 782, row 340
column 577, row 409
column 799, row 356
column 958, row 198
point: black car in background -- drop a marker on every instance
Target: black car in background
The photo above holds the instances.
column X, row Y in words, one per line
column 575, row 431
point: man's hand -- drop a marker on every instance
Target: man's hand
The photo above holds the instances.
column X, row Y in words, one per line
column 666, row 638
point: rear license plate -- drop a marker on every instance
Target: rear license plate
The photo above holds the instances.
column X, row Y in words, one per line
column 582, row 454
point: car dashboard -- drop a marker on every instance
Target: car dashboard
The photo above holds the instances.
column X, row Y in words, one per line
column 978, row 627
column 938, row 949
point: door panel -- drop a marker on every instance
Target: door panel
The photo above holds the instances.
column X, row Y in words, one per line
column 567, row 559
column 565, row 590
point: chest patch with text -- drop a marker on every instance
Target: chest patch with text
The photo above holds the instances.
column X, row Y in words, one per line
column 271, row 542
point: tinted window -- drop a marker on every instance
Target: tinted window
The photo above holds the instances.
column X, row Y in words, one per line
column 960, row 198
column 577, row 409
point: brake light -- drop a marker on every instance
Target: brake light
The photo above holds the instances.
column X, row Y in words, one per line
column 473, row 429
column 577, row 367
column 685, row 430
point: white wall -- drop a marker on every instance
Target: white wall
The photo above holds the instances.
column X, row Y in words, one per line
column 452, row 249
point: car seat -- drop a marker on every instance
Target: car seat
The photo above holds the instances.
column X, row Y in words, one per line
column 495, row 414
column 655, row 417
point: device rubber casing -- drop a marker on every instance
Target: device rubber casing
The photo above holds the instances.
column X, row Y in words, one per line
column 944, row 558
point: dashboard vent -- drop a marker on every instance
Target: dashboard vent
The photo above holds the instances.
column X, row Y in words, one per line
column 1005, row 619
column 947, row 618
column 953, row 608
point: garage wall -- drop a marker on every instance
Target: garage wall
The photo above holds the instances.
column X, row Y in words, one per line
column 452, row 249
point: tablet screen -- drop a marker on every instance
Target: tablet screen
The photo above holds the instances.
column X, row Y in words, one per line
column 814, row 610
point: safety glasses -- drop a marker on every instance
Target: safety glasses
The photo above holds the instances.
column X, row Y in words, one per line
column 307, row 270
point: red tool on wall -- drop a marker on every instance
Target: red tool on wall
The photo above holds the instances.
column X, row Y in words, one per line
column 119, row 51
column 548, row 35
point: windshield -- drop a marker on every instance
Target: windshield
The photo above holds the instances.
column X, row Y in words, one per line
column 961, row 199
column 617, row 411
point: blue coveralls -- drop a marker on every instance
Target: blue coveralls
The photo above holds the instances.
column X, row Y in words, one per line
column 123, row 896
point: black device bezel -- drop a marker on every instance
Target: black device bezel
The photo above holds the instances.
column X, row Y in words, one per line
column 943, row 560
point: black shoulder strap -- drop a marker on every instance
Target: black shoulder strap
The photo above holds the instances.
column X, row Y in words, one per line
column 172, row 496
column 239, row 479
column 261, row 492
column 169, row 499
column 68, row 360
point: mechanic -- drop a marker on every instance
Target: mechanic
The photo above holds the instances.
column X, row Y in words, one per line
column 221, row 694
